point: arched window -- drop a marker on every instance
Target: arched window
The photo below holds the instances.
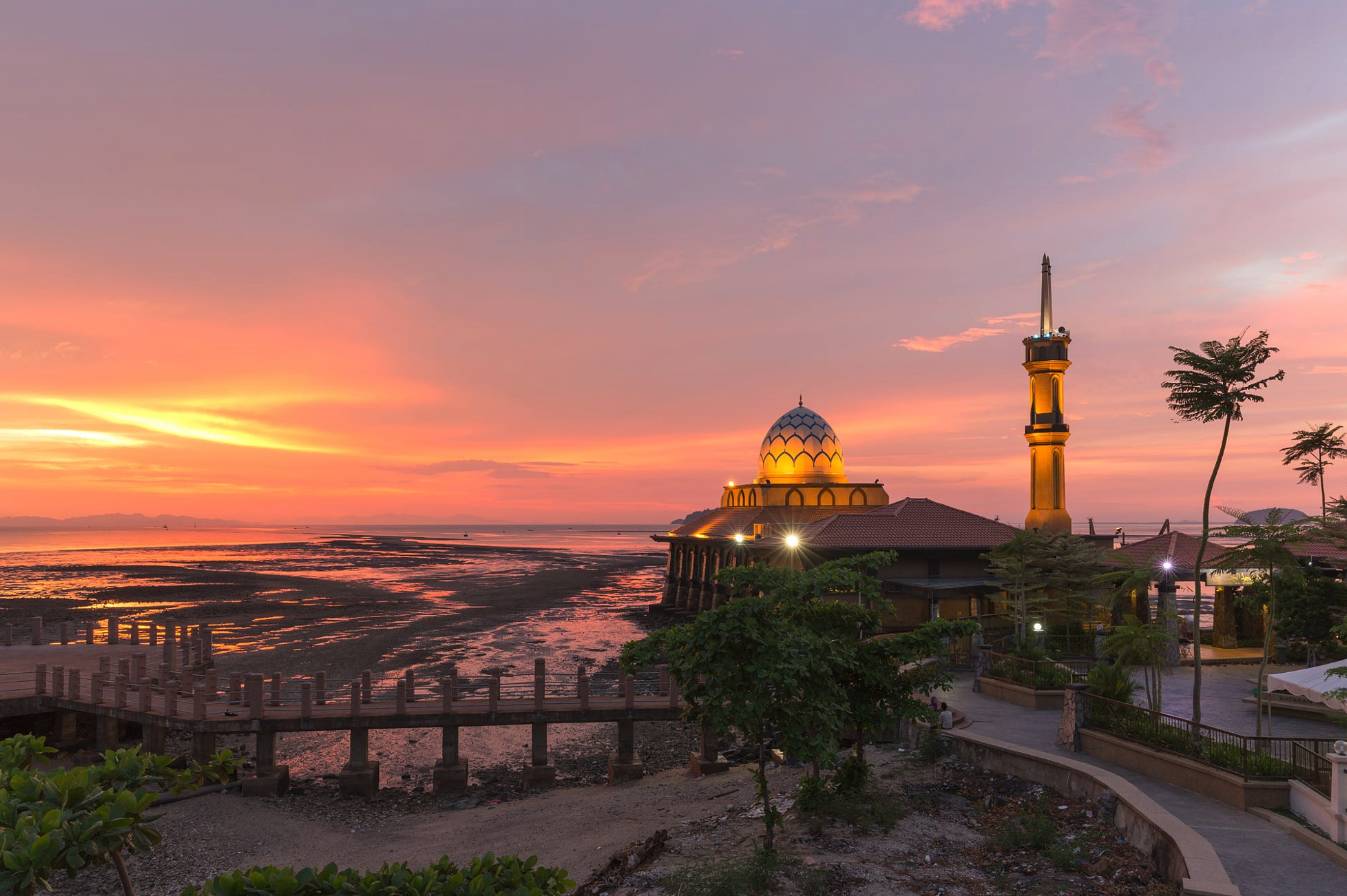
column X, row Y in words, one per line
column 826, row 498
column 1057, row 480
column 753, row 499
column 857, row 498
column 795, row 498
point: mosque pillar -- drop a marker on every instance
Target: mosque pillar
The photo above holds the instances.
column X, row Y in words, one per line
column 670, row 585
column 680, row 577
column 700, row 595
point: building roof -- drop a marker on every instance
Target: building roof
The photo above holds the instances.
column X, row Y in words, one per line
column 724, row 522
column 801, row 447
column 1322, row 552
column 912, row 523
column 1178, row 547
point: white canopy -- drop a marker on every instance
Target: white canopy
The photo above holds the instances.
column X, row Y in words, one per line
column 1313, row 684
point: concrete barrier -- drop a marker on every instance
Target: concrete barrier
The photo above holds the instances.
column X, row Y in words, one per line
column 1175, row 850
column 1018, row 694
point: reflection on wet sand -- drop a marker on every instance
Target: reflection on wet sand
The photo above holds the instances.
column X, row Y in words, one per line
column 347, row 603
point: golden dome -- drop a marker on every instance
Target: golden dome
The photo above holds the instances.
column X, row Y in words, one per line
column 801, row 447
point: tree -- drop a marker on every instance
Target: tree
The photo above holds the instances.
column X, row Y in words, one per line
column 1047, row 576
column 1209, row 385
column 69, row 819
column 1266, row 550
column 746, row 666
column 1128, row 579
column 1313, row 451
column 1141, row 645
column 1308, row 609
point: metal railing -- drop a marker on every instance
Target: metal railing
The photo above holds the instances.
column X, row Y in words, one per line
column 1042, row 675
column 1312, row 769
column 1251, row 757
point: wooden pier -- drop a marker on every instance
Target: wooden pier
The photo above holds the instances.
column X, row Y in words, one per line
column 112, row 679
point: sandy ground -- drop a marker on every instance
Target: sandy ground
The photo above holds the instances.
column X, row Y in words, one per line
column 575, row 828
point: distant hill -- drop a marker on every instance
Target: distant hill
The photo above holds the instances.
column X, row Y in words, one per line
column 1258, row 517
column 115, row 521
column 694, row 516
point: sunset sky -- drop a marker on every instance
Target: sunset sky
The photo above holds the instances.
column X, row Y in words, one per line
column 320, row 261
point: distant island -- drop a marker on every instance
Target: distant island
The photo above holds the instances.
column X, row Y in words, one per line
column 115, row 521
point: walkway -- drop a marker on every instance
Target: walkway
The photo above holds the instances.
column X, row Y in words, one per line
column 1261, row 859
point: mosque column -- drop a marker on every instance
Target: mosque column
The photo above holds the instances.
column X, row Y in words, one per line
column 681, row 590
column 699, row 580
column 712, row 586
column 670, row 590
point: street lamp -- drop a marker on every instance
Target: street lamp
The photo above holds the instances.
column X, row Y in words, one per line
column 792, row 540
column 738, row 538
column 1038, row 627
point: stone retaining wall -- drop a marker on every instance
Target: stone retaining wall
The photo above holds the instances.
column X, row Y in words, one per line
column 1018, row 694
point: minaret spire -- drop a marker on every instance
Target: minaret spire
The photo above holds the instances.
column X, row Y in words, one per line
column 1045, row 308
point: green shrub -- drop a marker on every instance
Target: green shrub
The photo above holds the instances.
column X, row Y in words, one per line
column 1111, row 681
column 809, row 795
column 851, row 776
column 932, row 747
column 487, row 875
column 1037, row 831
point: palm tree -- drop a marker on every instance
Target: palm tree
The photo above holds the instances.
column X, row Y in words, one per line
column 1210, row 384
column 1315, row 450
column 1266, row 549
column 1143, row 645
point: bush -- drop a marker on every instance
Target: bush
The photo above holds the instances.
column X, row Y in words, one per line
column 851, row 776
column 1037, row 831
column 1111, row 681
column 487, row 875
column 933, row 747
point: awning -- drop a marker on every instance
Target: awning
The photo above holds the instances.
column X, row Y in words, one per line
column 1313, row 684
column 938, row 584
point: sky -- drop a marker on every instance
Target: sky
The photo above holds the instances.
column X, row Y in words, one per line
column 320, row 261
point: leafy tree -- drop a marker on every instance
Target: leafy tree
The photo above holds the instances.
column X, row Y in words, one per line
column 1126, row 579
column 1209, row 385
column 1144, row 646
column 746, row 666
column 1313, row 452
column 1266, row 549
column 487, row 875
column 69, row 819
column 858, row 575
column 1308, row 609
column 1048, row 575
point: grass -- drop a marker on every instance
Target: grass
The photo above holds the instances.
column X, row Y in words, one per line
column 866, row 810
column 758, row 874
column 1036, row 831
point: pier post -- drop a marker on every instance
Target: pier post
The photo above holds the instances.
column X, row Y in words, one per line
column 271, row 779
column 170, row 654
column 359, row 777
column 540, row 772
column 582, row 687
column 305, row 700
column 96, row 688
column 154, row 634
column 708, row 761
column 355, row 699
column 119, row 692
column 65, row 632
column 138, row 663
column 135, row 632
column 675, row 698
column 199, row 704
column 400, row 704
column 629, row 691
column 539, row 683
column 624, row 764
column 252, row 693
column 58, row 681
column 275, row 689
column 153, row 737
column 143, row 694
column 203, row 746
column 89, row 631
column 447, row 693
column 450, row 774
column 410, row 678
column 40, row 679
column 37, row 636
column 320, row 688
column 114, row 629
column 212, row 684
column 73, row 683
column 106, row 734
column 235, row 688
column 366, row 687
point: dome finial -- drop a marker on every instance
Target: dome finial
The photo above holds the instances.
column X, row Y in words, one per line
column 801, row 399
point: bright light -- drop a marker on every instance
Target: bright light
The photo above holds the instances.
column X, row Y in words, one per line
column 1038, row 626
column 738, row 538
column 792, row 541
column 1167, row 566
column 730, row 483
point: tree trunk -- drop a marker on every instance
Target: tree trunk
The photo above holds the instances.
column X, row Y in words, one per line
column 765, row 797
column 860, row 744
column 1197, row 577
column 1262, row 666
column 122, row 875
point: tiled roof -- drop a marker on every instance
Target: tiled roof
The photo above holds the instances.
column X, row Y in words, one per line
column 724, row 522
column 907, row 524
column 1335, row 554
column 1180, row 547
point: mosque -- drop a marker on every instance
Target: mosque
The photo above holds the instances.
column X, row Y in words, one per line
column 802, row 508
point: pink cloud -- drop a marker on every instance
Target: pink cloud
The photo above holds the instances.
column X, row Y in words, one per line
column 1303, row 256
column 942, row 15
column 940, row 343
column 1127, row 121
column 1164, row 73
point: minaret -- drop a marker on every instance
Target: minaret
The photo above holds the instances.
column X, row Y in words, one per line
column 1045, row 358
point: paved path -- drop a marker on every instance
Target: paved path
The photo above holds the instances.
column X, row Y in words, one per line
column 1261, row 859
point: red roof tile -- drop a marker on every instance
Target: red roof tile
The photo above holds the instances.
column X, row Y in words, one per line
column 1179, row 547
column 907, row 524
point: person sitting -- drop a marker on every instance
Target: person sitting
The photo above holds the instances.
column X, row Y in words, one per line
column 946, row 717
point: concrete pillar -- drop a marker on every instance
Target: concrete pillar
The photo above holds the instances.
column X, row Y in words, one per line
column 360, row 776
column 366, row 687
column 89, row 632
column 138, row 663
column 628, row 691
column 625, row 764
column 1224, row 632
column 154, row 634
column 65, row 631
column 1337, row 795
column 306, row 700
column 448, row 690
column 38, row 637
column 58, row 681
column 708, row 760
column 67, row 728
column 355, row 699
column 135, row 632
column 320, row 688
column 106, row 733
column 275, row 689
column 40, row 679
column 119, row 692
column 450, row 774
column 96, row 688
column 143, row 694
column 170, row 654
column 7, row 634
column 114, row 629
column 199, row 703
column 252, row 694
column 72, row 687
column 1168, row 606
column 235, row 688
column 153, row 737
column 409, row 677
column 203, row 746
column 1073, row 716
column 271, row 779
column 400, row 700
column 540, row 772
